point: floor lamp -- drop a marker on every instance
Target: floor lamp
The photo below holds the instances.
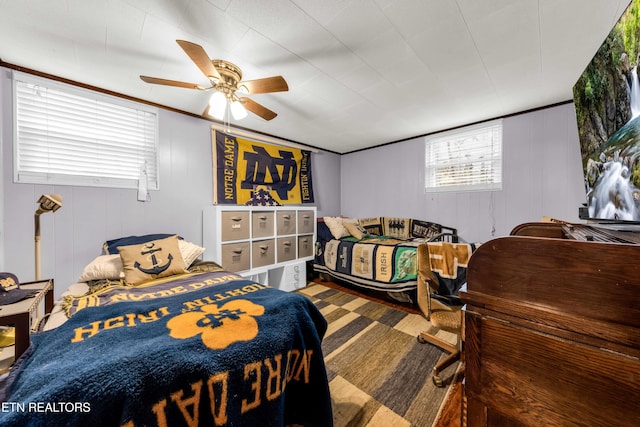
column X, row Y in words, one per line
column 48, row 203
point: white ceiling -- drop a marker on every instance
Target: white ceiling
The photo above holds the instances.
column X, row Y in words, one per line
column 361, row 72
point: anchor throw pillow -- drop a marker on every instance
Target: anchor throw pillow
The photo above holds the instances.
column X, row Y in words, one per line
column 151, row 260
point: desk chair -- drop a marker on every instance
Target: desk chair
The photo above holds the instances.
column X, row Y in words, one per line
column 441, row 273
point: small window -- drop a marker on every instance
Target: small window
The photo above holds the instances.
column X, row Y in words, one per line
column 67, row 135
column 465, row 160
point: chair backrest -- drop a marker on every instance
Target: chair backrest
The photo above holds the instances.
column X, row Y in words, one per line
column 442, row 271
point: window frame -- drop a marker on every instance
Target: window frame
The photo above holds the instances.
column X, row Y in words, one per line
column 147, row 150
column 495, row 158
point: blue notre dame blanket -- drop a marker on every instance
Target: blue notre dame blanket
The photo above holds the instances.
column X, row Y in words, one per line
column 211, row 351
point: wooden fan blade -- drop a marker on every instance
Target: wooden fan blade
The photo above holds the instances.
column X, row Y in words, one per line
column 200, row 58
column 258, row 109
column 157, row 81
column 266, row 85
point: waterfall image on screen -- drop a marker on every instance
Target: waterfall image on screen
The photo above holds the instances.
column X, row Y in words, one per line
column 607, row 101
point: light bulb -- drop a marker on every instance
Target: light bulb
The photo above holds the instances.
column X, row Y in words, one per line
column 217, row 105
column 238, row 111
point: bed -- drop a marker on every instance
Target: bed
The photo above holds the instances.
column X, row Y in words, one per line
column 153, row 336
column 375, row 253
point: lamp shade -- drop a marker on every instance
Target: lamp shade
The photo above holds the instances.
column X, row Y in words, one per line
column 217, row 105
column 237, row 110
column 49, row 202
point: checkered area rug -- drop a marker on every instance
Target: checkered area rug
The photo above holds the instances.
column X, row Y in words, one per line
column 379, row 375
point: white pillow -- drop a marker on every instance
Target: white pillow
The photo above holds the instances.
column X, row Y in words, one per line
column 103, row 267
column 335, row 226
column 190, row 251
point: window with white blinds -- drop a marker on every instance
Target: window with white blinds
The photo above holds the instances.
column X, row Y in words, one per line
column 465, row 160
column 67, row 135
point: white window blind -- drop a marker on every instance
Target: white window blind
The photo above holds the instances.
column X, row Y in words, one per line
column 73, row 136
column 464, row 160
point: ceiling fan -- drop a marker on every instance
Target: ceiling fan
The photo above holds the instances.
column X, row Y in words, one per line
column 226, row 81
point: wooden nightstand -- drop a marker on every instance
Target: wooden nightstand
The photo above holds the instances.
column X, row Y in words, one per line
column 23, row 315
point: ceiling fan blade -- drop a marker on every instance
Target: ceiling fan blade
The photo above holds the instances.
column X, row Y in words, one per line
column 157, row 81
column 200, row 58
column 266, row 85
column 258, row 109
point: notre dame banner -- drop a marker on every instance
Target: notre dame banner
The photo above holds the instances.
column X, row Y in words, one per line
column 254, row 173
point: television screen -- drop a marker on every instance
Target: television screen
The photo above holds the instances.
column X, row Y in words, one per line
column 607, row 102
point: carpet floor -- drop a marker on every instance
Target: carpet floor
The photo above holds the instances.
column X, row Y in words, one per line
column 379, row 375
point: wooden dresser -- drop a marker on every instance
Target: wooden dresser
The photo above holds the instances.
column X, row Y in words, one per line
column 552, row 328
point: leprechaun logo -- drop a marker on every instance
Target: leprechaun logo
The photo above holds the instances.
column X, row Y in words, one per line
column 218, row 326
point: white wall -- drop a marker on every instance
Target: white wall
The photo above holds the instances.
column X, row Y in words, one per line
column 72, row 236
column 542, row 176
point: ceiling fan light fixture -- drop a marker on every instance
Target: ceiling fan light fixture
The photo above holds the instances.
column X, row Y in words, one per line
column 217, row 105
column 226, row 79
column 238, row 111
